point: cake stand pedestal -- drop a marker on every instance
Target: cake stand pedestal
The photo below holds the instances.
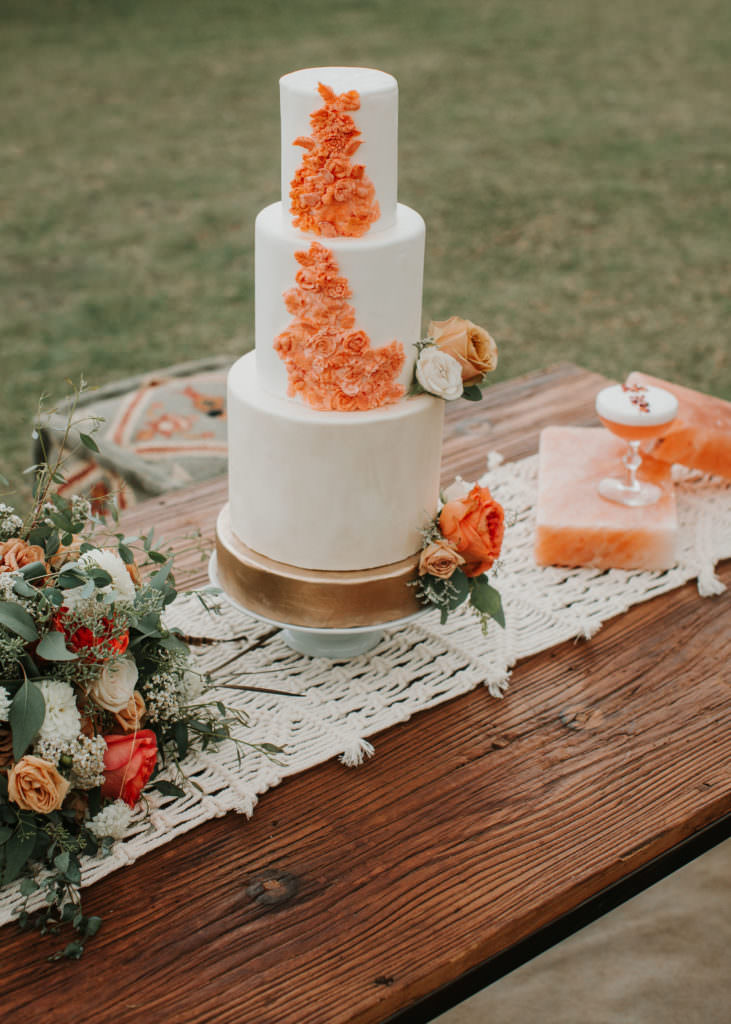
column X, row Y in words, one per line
column 336, row 644
column 335, row 615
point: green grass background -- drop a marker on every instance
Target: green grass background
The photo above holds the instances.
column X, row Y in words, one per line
column 571, row 160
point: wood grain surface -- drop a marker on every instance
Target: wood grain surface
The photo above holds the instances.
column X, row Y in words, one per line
column 352, row 893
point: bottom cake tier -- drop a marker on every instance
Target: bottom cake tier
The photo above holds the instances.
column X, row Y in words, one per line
column 330, row 491
column 309, row 599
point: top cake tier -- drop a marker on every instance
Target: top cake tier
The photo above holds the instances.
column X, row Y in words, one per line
column 352, row 142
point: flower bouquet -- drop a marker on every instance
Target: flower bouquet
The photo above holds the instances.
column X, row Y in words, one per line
column 454, row 359
column 461, row 544
column 465, row 538
column 97, row 695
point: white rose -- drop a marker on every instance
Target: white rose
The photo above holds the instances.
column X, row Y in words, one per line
column 439, row 373
column 115, row 684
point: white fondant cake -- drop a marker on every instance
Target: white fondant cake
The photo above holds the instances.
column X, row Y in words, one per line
column 331, row 465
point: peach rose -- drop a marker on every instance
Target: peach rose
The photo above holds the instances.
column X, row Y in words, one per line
column 470, row 345
column 36, row 785
column 439, row 559
column 16, row 553
column 474, row 525
column 132, row 716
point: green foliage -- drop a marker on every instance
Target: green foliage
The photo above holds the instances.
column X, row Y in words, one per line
column 17, row 620
column 486, row 600
column 26, row 717
column 53, row 648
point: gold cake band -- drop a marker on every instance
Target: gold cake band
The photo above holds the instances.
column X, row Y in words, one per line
column 308, row 598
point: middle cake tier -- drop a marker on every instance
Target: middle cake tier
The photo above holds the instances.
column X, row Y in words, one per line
column 371, row 286
column 330, row 490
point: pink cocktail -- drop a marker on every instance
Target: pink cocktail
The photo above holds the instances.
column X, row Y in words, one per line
column 636, row 414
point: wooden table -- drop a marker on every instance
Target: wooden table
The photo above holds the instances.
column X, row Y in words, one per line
column 480, row 832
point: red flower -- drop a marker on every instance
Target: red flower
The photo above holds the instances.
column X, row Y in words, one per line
column 84, row 638
column 128, row 764
column 474, row 525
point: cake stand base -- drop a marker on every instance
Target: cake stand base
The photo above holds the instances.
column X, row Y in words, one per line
column 336, row 644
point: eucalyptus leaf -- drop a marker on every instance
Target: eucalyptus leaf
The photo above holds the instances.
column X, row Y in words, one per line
column 88, row 442
column 125, row 553
column 74, row 951
column 73, row 871
column 26, row 716
column 23, row 589
column 157, row 580
column 174, row 643
column 180, row 734
column 52, row 544
column 487, row 600
column 472, row 393
column 33, row 571
column 69, row 578
column 100, row 577
column 459, row 590
column 61, row 862
column 53, row 648
column 92, row 926
column 168, row 788
column 54, row 596
column 39, row 534
column 17, row 620
column 17, row 851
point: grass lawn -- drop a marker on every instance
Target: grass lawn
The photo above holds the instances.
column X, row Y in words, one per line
column 571, row 160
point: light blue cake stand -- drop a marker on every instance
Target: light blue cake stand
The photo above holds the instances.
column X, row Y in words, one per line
column 336, row 644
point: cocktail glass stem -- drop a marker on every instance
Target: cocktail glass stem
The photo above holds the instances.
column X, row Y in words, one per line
column 632, row 460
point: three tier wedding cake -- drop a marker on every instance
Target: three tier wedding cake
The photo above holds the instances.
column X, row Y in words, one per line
column 333, row 467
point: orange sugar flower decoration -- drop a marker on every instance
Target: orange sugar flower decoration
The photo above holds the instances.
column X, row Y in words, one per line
column 330, row 194
column 330, row 362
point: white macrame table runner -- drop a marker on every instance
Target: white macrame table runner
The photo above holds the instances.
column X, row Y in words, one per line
column 415, row 667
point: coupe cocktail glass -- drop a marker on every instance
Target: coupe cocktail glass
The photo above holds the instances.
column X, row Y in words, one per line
column 635, row 413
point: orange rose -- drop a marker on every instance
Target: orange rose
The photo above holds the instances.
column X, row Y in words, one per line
column 474, row 525
column 470, row 345
column 128, row 764
column 439, row 559
column 36, row 785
